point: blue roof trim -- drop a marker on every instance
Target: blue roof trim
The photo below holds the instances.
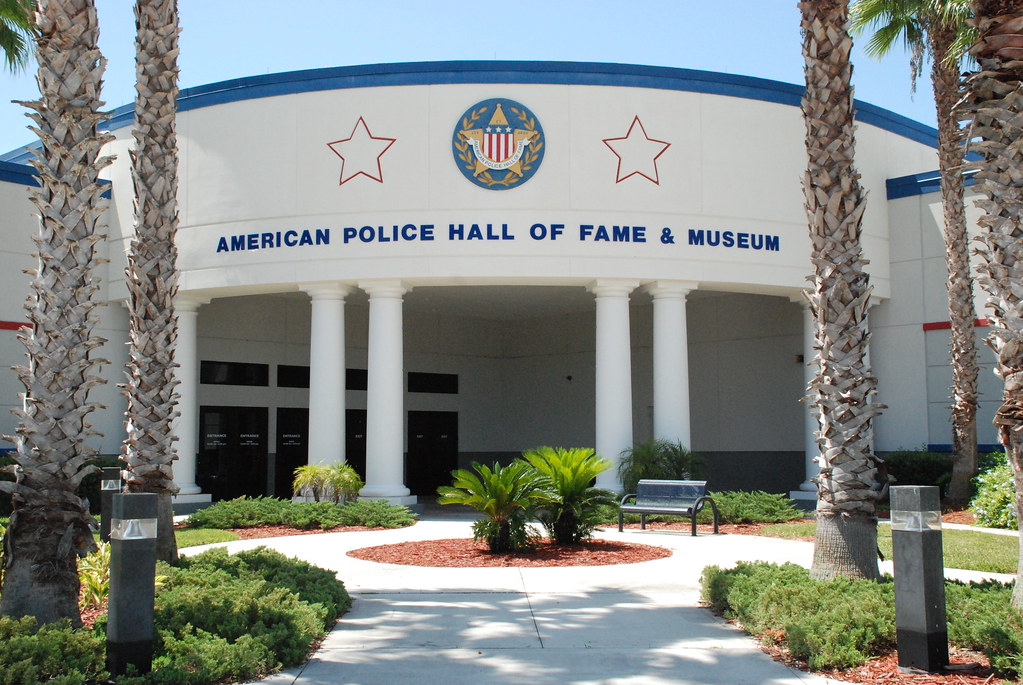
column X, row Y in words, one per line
column 18, row 173
column 26, row 175
column 921, row 184
column 554, row 73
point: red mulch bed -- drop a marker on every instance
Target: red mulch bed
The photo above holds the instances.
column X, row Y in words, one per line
column 885, row 669
column 465, row 553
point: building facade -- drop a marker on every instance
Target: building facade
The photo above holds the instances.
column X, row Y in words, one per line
column 417, row 266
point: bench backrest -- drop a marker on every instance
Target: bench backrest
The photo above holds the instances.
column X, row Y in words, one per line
column 664, row 493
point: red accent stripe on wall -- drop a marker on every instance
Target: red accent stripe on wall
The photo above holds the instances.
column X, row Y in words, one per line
column 945, row 325
column 13, row 325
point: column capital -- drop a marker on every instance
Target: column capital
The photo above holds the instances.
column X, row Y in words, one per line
column 612, row 287
column 326, row 290
column 670, row 289
column 186, row 302
column 385, row 288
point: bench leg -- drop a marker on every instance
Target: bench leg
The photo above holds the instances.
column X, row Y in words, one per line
column 642, row 521
column 621, row 521
column 694, row 523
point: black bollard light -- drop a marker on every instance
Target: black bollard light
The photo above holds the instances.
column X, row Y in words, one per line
column 109, row 485
column 132, row 577
column 920, row 621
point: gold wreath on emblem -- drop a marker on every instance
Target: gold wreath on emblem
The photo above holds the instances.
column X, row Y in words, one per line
column 468, row 139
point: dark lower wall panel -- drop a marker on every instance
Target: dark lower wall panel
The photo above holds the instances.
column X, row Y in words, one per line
column 778, row 472
column 465, row 459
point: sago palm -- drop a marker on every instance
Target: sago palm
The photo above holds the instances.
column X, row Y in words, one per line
column 938, row 30
column 995, row 105
column 842, row 391
column 502, row 493
column 343, row 483
column 310, row 480
column 571, row 514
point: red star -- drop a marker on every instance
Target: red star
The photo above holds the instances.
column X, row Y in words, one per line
column 637, row 153
column 361, row 153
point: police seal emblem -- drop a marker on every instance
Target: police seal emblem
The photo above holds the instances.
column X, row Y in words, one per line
column 498, row 144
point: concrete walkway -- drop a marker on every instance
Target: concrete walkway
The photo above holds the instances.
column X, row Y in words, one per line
column 636, row 623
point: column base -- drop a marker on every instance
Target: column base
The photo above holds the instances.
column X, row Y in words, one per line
column 404, row 500
column 807, row 501
column 190, row 503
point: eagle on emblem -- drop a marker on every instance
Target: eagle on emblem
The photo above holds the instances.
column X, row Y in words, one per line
column 498, row 146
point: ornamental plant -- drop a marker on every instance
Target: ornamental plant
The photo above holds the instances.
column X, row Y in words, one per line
column 658, row 459
column 504, row 494
column 995, row 502
column 573, row 508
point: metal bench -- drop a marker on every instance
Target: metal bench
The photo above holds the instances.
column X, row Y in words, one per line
column 670, row 498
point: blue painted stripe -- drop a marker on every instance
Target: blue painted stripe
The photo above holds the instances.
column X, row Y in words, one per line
column 921, row 184
column 26, row 176
column 18, row 173
column 502, row 72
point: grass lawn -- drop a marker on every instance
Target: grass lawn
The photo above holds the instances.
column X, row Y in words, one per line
column 966, row 549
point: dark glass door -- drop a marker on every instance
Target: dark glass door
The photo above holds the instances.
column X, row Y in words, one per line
column 232, row 451
column 432, row 450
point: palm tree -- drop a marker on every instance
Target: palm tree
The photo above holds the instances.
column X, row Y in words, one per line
column 842, row 391
column 49, row 527
column 933, row 29
column 994, row 104
column 152, row 272
column 15, row 30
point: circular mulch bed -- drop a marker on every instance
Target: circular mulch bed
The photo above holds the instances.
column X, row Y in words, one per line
column 466, row 553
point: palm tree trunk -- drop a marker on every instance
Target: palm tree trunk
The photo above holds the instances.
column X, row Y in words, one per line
column 49, row 525
column 152, row 270
column 995, row 105
column 961, row 310
column 843, row 390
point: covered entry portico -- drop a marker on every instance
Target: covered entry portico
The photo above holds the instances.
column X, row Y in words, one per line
column 602, row 363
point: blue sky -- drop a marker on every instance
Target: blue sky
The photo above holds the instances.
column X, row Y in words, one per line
column 224, row 39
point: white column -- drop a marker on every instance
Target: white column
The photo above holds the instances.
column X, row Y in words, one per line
column 326, row 437
column 811, row 449
column 671, row 361
column 385, row 394
column 186, row 425
column 614, row 374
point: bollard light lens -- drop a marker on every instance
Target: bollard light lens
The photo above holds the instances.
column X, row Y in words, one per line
column 110, row 484
column 133, row 529
column 916, row 520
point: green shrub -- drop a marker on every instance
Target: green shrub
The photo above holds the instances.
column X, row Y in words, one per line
column 919, row 467
column 980, row 617
column 273, row 616
column 571, row 512
column 249, row 512
column 308, row 515
column 242, row 512
column 995, row 502
column 658, row 459
column 192, row 656
column 834, row 624
column 375, row 514
column 53, row 653
column 751, row 507
column 311, row 583
column 841, row 623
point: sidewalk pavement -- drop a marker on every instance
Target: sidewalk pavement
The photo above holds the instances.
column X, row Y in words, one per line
column 632, row 623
